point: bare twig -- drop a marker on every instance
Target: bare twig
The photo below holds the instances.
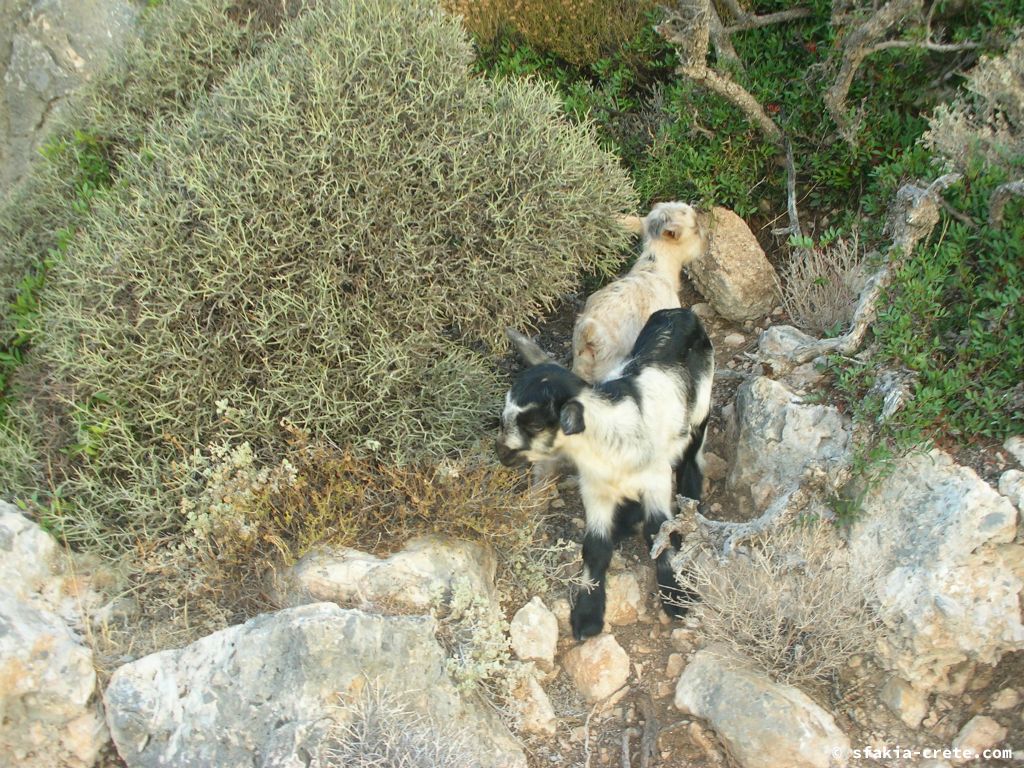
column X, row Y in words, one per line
column 649, row 739
column 724, row 51
column 999, row 199
column 915, row 214
column 753, row 22
column 794, row 219
column 856, row 48
column 739, row 96
column 627, row 734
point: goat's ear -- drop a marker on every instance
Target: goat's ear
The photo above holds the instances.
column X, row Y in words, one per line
column 671, row 232
column 527, row 348
column 632, row 224
column 571, row 418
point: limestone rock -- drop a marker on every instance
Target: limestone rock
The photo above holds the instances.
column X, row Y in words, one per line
column 1011, row 485
column 778, row 343
column 761, row 723
column 777, row 436
column 598, row 667
column 735, row 275
column 980, row 733
column 1007, row 698
column 908, row 704
column 47, row 679
column 562, row 609
column 715, row 467
column 1015, row 447
column 415, row 578
column 536, row 715
column 625, row 601
column 265, row 692
column 48, row 48
column 933, row 541
column 534, row 633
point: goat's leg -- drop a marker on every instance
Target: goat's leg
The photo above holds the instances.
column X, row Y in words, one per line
column 607, row 525
column 657, row 509
column 588, row 612
column 690, row 469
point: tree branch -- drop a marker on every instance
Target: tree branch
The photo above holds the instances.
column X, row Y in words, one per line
column 999, row 200
column 748, row 21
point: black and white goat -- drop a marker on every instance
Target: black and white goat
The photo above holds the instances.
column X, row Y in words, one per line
column 628, row 438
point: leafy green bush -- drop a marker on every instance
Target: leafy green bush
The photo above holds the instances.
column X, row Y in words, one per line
column 334, row 236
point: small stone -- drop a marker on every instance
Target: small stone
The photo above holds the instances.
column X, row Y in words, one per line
column 683, row 639
column 625, row 602
column 703, row 310
column 562, row 610
column 1011, row 485
column 557, row 504
column 1007, row 698
column 1015, row 447
column 535, row 711
column 534, row 633
column 715, row 467
column 908, row 704
column 597, row 667
column 675, row 665
column 734, row 340
column 979, row 734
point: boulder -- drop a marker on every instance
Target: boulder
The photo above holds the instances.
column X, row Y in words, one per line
column 48, row 712
column 735, row 276
column 416, row 578
column 762, row 724
column 266, row 692
column 597, row 667
column 48, row 48
column 776, row 437
column 534, row 633
column 934, row 544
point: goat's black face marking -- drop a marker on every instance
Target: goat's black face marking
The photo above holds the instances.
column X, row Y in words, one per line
column 530, row 420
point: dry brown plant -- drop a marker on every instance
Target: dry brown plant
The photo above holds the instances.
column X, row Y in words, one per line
column 821, row 289
column 789, row 603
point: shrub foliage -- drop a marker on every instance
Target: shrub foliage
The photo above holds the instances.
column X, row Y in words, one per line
column 334, row 235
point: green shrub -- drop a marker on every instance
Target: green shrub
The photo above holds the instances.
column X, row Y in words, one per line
column 337, row 235
column 183, row 50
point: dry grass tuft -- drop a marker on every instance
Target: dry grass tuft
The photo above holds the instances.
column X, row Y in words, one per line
column 790, row 604
column 821, row 286
column 374, row 729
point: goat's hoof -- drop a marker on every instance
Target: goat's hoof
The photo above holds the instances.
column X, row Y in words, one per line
column 587, row 617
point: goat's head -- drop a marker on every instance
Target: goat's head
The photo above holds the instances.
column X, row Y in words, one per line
column 674, row 231
column 539, row 407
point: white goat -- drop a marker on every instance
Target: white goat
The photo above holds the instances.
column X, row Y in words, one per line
column 613, row 316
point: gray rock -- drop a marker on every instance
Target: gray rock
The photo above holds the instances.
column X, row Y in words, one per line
column 1015, row 447
column 735, row 276
column 777, row 437
column 421, row 575
column 265, row 692
column 48, row 679
column 48, row 48
column 761, row 723
column 778, row 343
column 534, row 633
column 1011, row 485
column 934, row 543
column 908, row 704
